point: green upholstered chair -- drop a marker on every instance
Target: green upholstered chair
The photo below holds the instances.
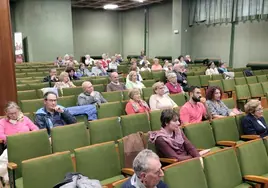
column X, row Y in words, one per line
column 225, row 131
column 201, row 135
column 256, row 90
column 228, row 85
column 103, row 81
column 123, row 104
column 230, row 103
column 262, row 78
column 111, row 109
column 239, row 74
column 46, row 171
column 184, row 174
column 104, row 130
column 25, row 146
column 242, row 92
column 204, row 80
column 215, row 83
column 257, row 72
column 69, row 137
column 38, row 85
column 122, row 69
column 34, row 74
column 23, row 87
column 194, row 81
column 78, row 82
column 135, row 123
column 240, row 81
column 159, row 76
column 21, row 75
column 113, row 96
column 99, row 161
column 238, row 119
column 265, row 114
column 148, row 83
column 179, row 99
column 32, row 105
column 147, row 92
column 217, row 77
column 253, row 160
column 27, row 95
column 28, row 70
column 125, row 95
column 72, row 91
column 99, row 88
column 146, row 75
column 222, row 170
column 251, row 80
column 67, row 101
column 155, row 120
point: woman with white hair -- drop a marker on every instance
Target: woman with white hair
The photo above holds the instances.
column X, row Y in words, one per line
column 105, row 61
column 173, row 86
column 133, row 82
column 89, row 60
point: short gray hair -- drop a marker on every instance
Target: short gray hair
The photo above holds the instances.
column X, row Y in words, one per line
column 141, row 161
column 171, row 75
column 11, row 105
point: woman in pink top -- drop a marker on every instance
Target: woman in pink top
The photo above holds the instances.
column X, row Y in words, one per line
column 156, row 66
column 136, row 104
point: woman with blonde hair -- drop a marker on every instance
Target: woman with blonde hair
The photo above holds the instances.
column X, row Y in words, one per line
column 136, row 104
column 159, row 100
column 64, row 81
column 133, row 82
column 254, row 123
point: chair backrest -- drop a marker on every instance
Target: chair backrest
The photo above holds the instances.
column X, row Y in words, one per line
column 23, row 87
column 228, row 85
column 265, row 87
column 146, row 75
column 251, row 80
column 239, row 74
column 113, row 96
column 225, row 129
column 159, row 76
column 230, row 103
column 252, row 157
column 238, row 119
column 184, row 174
column 204, row 80
column 99, row 81
column 265, row 114
column 217, row 77
column 215, row 83
column 222, row 165
column 99, row 161
column 179, row 99
column 99, row 88
column 111, row 109
column 200, row 135
column 262, row 78
column 72, row 91
column 240, row 81
column 155, row 120
column 38, row 85
column 135, row 123
column 257, row 72
column 104, row 130
column 194, row 81
column 256, row 90
column 78, row 82
column 67, row 101
column 242, row 92
column 69, row 137
column 27, row 95
column 32, row 105
column 26, row 146
column 46, row 171
column 147, row 92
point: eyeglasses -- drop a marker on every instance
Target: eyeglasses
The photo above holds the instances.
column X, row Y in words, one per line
column 51, row 100
column 161, row 88
column 260, row 109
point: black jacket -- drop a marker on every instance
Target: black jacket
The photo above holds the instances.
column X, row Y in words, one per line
column 251, row 126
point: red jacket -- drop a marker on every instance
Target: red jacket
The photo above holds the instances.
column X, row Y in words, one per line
column 174, row 89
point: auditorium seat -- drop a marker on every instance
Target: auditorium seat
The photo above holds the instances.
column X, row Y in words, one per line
column 26, row 95
column 77, row 82
column 240, row 81
column 100, row 88
column 159, row 76
column 146, row 75
column 147, row 92
column 99, row 161
column 125, row 95
column 46, row 171
column 238, row 119
column 230, row 103
column 194, row 81
column 112, row 96
column 67, row 101
column 217, row 77
column 38, row 85
column 179, row 99
column 23, row 87
column 72, row 91
column 251, row 80
column 238, row 74
column 155, row 120
column 69, row 137
column 31, row 105
column 98, row 81
column 256, row 90
column 148, row 83
column 265, row 88
column 262, row 78
column 104, row 130
column 204, row 80
column 215, row 83
column 119, row 183
column 111, row 109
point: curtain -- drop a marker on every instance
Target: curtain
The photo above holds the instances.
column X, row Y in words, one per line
column 226, row 11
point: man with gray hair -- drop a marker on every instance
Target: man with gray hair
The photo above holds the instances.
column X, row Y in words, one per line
column 179, row 70
column 148, row 172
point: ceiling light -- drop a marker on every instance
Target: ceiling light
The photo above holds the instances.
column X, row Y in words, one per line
column 110, row 6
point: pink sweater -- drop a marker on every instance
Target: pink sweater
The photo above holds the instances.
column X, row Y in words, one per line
column 6, row 128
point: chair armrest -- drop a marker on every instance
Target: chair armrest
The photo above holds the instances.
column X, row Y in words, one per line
column 128, row 171
column 250, row 137
column 226, row 143
column 256, row 179
column 12, row 166
column 168, row 160
column 199, row 149
column 1, row 141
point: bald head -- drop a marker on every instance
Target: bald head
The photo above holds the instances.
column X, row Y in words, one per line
column 114, row 77
column 87, row 87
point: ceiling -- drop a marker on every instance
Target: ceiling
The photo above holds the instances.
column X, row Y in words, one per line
column 123, row 4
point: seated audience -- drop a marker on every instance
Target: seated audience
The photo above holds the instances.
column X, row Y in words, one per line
column 170, row 141
column 72, row 74
column 83, row 71
column 52, row 77
column 176, row 61
column 89, row 61
column 113, row 65
column 89, row 96
column 211, row 69
column 173, row 86
column 72, row 60
column 181, row 60
column 165, row 66
column 59, row 62
column 188, row 59
column 133, row 81
column 254, row 123
column 98, row 70
column 115, row 85
column 142, row 54
column 169, row 69
column 136, row 104
column 159, row 100
column 147, row 172
column 67, row 61
column 223, row 70
column 194, row 111
column 105, row 61
column 156, row 66
column 52, row 115
column 64, row 81
column 14, row 122
column 144, row 60
column 135, row 68
column 215, row 105
column 146, row 67
column 118, row 58
column 181, row 76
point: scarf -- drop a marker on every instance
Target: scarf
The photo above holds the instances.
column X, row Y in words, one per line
column 135, row 106
column 174, row 143
column 19, row 119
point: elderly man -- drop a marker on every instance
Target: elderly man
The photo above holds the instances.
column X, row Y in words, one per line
column 148, row 172
column 98, row 70
column 89, row 96
column 52, row 115
column 115, row 85
column 179, row 70
column 52, row 77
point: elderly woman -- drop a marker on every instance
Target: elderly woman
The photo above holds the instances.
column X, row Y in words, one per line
column 211, row 69
column 223, row 70
column 89, row 61
column 253, row 122
column 72, row 73
column 133, row 82
column 145, row 67
column 14, row 122
column 156, row 66
column 64, row 81
column 215, row 105
column 83, row 70
column 181, row 60
column 173, row 86
column 113, row 64
column 160, row 100
column 170, row 141
column 136, row 104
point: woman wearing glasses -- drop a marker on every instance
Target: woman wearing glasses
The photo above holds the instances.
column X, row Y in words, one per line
column 254, row 123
